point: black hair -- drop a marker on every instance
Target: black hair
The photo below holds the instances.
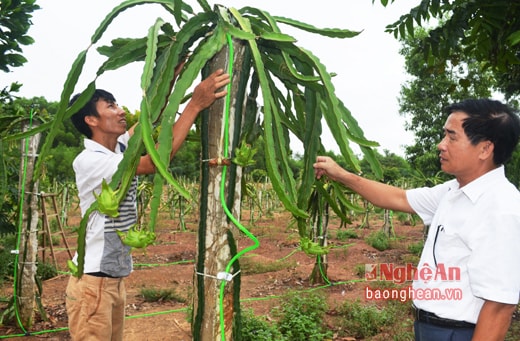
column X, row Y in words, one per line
column 89, row 109
column 490, row 120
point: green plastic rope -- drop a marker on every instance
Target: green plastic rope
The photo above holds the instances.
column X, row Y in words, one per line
column 222, row 188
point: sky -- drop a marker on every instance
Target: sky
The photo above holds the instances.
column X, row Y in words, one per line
column 369, row 67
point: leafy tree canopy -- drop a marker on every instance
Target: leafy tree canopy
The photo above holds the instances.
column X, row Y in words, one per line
column 428, row 91
column 488, row 31
column 15, row 20
column 395, row 168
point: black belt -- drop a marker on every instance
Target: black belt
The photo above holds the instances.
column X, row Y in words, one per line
column 431, row 318
column 99, row 274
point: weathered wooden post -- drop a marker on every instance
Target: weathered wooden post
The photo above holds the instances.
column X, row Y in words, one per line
column 26, row 285
column 217, row 235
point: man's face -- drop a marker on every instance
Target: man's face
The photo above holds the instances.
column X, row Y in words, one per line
column 111, row 120
column 457, row 155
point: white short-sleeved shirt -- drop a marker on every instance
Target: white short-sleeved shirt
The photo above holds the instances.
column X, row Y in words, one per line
column 104, row 251
column 475, row 232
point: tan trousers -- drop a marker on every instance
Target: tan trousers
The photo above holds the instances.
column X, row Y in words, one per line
column 96, row 308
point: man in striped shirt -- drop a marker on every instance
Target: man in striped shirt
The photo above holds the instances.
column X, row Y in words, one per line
column 96, row 301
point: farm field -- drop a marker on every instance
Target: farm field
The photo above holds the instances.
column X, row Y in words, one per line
column 269, row 273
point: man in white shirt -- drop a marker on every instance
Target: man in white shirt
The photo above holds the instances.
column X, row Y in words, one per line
column 474, row 224
column 96, row 301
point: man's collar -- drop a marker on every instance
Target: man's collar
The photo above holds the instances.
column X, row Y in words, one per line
column 96, row 147
column 479, row 186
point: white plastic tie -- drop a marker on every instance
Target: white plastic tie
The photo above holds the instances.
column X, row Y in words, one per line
column 225, row 276
column 221, row 276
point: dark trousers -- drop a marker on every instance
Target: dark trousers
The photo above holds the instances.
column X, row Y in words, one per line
column 429, row 332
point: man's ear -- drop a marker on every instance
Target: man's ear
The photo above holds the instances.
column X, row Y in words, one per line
column 487, row 150
column 91, row 120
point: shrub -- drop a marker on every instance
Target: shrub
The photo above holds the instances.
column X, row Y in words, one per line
column 363, row 321
column 256, row 328
column 378, row 240
column 359, row 270
column 406, row 218
column 158, row 295
column 301, row 316
column 46, row 271
column 346, row 234
column 416, row 248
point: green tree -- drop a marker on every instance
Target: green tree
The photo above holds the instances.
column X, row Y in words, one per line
column 394, row 167
column 425, row 95
column 487, row 32
column 481, row 38
column 15, row 21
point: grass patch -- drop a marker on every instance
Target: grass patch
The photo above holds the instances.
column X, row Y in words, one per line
column 362, row 320
column 301, row 317
column 161, row 295
column 46, row 271
column 409, row 258
column 416, row 248
column 359, row 270
column 258, row 328
column 343, row 235
column 378, row 240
